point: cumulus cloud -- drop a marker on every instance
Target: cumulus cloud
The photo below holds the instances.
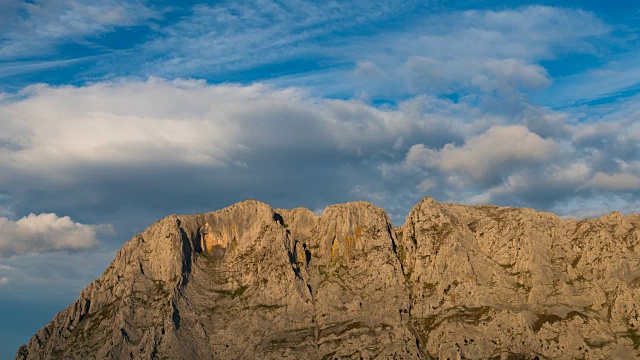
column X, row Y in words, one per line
column 616, row 181
column 149, row 148
column 514, row 73
column 160, row 146
column 488, row 155
column 545, row 159
column 484, row 75
column 158, row 122
column 128, row 123
column 45, row 233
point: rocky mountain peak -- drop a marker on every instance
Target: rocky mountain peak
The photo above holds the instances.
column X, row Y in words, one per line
column 453, row 281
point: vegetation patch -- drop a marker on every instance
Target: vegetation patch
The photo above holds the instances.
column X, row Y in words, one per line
column 232, row 293
column 429, row 287
column 473, row 315
column 552, row 318
column 340, row 328
column 524, row 287
column 328, row 356
column 635, row 338
column 597, row 345
column 545, row 318
column 352, row 326
column 580, row 278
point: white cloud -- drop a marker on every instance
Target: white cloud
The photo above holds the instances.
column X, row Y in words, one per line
column 428, row 74
column 594, row 134
column 571, row 174
column 127, row 123
column 367, row 69
column 525, row 33
column 488, row 155
column 599, row 204
column 426, row 185
column 4, row 281
column 516, row 73
column 616, row 181
column 157, row 122
column 129, row 143
column 45, row 233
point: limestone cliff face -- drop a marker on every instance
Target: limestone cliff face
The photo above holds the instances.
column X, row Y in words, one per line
column 454, row 282
column 491, row 282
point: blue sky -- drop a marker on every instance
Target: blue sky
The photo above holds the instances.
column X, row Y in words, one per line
column 117, row 113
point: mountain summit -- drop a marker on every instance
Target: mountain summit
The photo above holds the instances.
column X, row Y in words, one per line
column 252, row 282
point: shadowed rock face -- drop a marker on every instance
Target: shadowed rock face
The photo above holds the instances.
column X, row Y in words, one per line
column 454, row 282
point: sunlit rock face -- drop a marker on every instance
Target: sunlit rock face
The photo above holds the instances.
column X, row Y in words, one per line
column 457, row 282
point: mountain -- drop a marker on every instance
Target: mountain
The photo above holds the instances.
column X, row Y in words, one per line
column 251, row 282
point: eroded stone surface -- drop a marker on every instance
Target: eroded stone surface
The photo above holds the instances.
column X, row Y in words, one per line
column 458, row 282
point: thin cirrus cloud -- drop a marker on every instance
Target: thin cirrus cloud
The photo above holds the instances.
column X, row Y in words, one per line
column 33, row 29
column 433, row 50
column 45, row 233
column 479, row 53
column 457, row 51
column 247, row 36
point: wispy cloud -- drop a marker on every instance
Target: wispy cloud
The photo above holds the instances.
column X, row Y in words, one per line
column 481, row 53
column 37, row 28
column 4, row 281
column 9, row 69
column 617, row 78
column 434, row 49
column 241, row 35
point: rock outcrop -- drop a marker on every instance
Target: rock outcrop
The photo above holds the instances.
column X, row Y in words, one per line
column 456, row 282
